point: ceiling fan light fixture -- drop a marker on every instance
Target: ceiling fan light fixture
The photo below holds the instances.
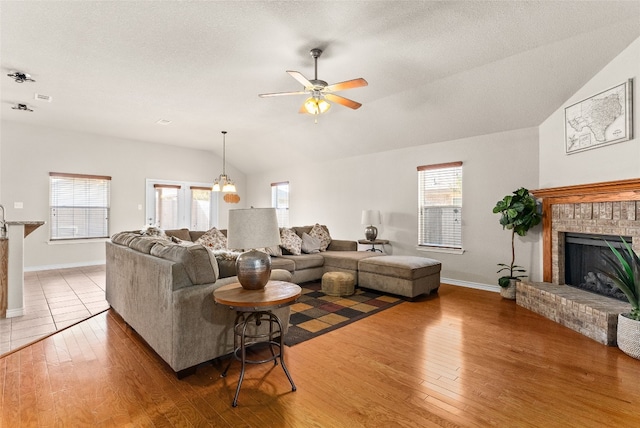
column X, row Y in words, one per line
column 314, row 105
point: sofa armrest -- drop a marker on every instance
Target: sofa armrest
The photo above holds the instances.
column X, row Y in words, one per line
column 342, row 245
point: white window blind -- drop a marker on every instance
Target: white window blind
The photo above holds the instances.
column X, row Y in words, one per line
column 280, row 201
column 166, row 210
column 79, row 206
column 440, row 205
column 200, row 208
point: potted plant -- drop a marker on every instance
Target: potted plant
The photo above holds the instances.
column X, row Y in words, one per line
column 518, row 213
column 625, row 273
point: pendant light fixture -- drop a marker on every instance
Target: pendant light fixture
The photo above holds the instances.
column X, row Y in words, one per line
column 223, row 183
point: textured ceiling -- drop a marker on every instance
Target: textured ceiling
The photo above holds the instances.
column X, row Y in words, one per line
column 437, row 71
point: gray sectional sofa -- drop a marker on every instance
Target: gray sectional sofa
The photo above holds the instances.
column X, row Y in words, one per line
column 162, row 286
column 164, row 290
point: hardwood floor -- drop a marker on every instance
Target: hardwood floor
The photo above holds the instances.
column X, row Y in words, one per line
column 463, row 358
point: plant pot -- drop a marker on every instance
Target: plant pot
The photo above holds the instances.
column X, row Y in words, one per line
column 510, row 291
column 629, row 336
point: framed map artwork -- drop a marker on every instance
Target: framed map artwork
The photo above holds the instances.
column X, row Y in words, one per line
column 605, row 118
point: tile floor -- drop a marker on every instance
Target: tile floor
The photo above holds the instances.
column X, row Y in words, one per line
column 54, row 299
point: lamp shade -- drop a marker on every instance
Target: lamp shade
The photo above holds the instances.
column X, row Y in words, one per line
column 252, row 228
column 371, row 217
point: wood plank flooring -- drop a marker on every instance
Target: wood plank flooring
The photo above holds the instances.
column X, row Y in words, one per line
column 464, row 358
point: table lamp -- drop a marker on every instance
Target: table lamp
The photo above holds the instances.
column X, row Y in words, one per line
column 371, row 217
column 250, row 229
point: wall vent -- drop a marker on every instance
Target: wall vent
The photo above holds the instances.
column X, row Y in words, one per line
column 41, row 97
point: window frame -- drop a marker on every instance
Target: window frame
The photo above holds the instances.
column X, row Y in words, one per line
column 445, row 244
column 184, row 200
column 88, row 196
column 281, row 212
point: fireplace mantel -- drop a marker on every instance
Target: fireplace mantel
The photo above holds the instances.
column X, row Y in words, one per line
column 582, row 199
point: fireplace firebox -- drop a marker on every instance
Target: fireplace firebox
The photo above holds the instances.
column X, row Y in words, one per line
column 585, row 261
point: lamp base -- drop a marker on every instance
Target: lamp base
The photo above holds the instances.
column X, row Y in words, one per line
column 253, row 269
column 371, row 233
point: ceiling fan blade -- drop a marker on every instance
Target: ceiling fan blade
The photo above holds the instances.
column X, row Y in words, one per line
column 300, row 78
column 349, row 84
column 342, row 100
column 277, row 94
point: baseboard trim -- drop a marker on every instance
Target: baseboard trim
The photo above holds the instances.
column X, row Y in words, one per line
column 64, row 266
column 476, row 285
column 15, row 312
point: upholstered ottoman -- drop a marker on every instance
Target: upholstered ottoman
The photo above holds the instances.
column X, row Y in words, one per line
column 407, row 276
column 338, row 284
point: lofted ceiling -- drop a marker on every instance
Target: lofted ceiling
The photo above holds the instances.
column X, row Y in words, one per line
column 437, row 71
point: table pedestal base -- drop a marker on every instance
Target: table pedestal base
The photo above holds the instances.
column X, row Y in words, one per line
column 243, row 340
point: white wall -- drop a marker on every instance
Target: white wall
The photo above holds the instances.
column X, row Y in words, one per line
column 614, row 162
column 29, row 153
column 335, row 193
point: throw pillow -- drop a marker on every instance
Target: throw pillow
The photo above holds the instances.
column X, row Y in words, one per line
column 310, row 244
column 274, row 251
column 322, row 234
column 153, row 231
column 290, row 241
column 213, row 239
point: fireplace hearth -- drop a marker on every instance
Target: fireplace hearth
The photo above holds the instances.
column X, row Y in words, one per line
column 608, row 209
column 585, row 261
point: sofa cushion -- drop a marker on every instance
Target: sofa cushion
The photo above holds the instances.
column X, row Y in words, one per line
column 213, row 239
column 290, row 241
column 274, row 251
column 322, row 233
column 405, row 267
column 144, row 244
column 310, row 244
column 345, row 259
column 305, row 261
column 199, row 263
column 282, row 263
column 124, row 238
column 182, row 234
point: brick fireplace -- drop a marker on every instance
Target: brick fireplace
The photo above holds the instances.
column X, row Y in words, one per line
column 610, row 208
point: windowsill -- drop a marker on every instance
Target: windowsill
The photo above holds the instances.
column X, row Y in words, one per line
column 441, row 250
column 78, row 241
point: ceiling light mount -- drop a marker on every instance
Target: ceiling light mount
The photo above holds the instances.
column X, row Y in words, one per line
column 22, row 107
column 223, row 183
column 20, row 77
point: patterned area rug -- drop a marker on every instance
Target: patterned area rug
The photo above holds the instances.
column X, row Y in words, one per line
column 316, row 313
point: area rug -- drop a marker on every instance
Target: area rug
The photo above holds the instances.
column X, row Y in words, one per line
column 316, row 313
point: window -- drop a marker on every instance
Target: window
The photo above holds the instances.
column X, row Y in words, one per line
column 166, row 206
column 280, row 201
column 79, row 206
column 175, row 204
column 200, row 208
column 440, row 205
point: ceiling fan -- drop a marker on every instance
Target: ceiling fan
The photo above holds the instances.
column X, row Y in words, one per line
column 320, row 91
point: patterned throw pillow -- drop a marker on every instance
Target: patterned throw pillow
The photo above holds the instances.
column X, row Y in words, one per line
column 290, row 241
column 213, row 239
column 322, row 234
